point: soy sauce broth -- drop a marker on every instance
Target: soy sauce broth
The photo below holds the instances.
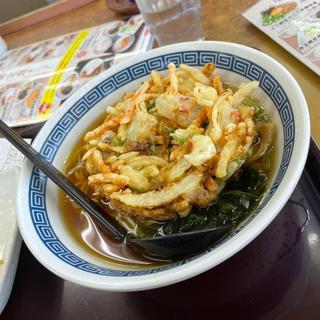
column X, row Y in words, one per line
column 94, row 240
column 84, row 230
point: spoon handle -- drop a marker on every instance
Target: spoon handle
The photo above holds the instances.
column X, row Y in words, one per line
column 93, row 209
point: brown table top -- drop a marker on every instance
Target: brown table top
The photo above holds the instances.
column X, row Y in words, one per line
column 275, row 277
column 222, row 21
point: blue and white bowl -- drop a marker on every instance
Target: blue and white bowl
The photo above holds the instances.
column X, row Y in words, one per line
column 39, row 219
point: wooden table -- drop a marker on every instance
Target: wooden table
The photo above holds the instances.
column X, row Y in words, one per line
column 222, row 21
column 275, row 277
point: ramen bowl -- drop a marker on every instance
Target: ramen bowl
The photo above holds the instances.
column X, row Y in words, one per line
column 41, row 224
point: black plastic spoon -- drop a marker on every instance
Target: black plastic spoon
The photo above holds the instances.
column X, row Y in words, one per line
column 165, row 248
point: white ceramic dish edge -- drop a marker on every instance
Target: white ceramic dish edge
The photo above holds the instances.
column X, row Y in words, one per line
column 200, row 264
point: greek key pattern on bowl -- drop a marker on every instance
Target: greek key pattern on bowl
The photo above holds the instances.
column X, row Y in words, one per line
column 226, row 61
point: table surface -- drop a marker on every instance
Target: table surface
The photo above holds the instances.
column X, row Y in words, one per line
column 275, row 277
column 222, row 21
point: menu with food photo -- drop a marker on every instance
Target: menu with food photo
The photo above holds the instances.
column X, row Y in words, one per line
column 295, row 25
column 36, row 79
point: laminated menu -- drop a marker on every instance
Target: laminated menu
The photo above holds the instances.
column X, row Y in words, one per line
column 295, row 25
column 36, row 79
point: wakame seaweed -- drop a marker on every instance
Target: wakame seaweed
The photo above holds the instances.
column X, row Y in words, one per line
column 235, row 203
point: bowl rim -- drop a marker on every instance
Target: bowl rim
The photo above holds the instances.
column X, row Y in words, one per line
column 187, row 268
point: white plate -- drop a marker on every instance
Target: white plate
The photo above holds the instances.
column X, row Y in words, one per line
column 10, row 239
